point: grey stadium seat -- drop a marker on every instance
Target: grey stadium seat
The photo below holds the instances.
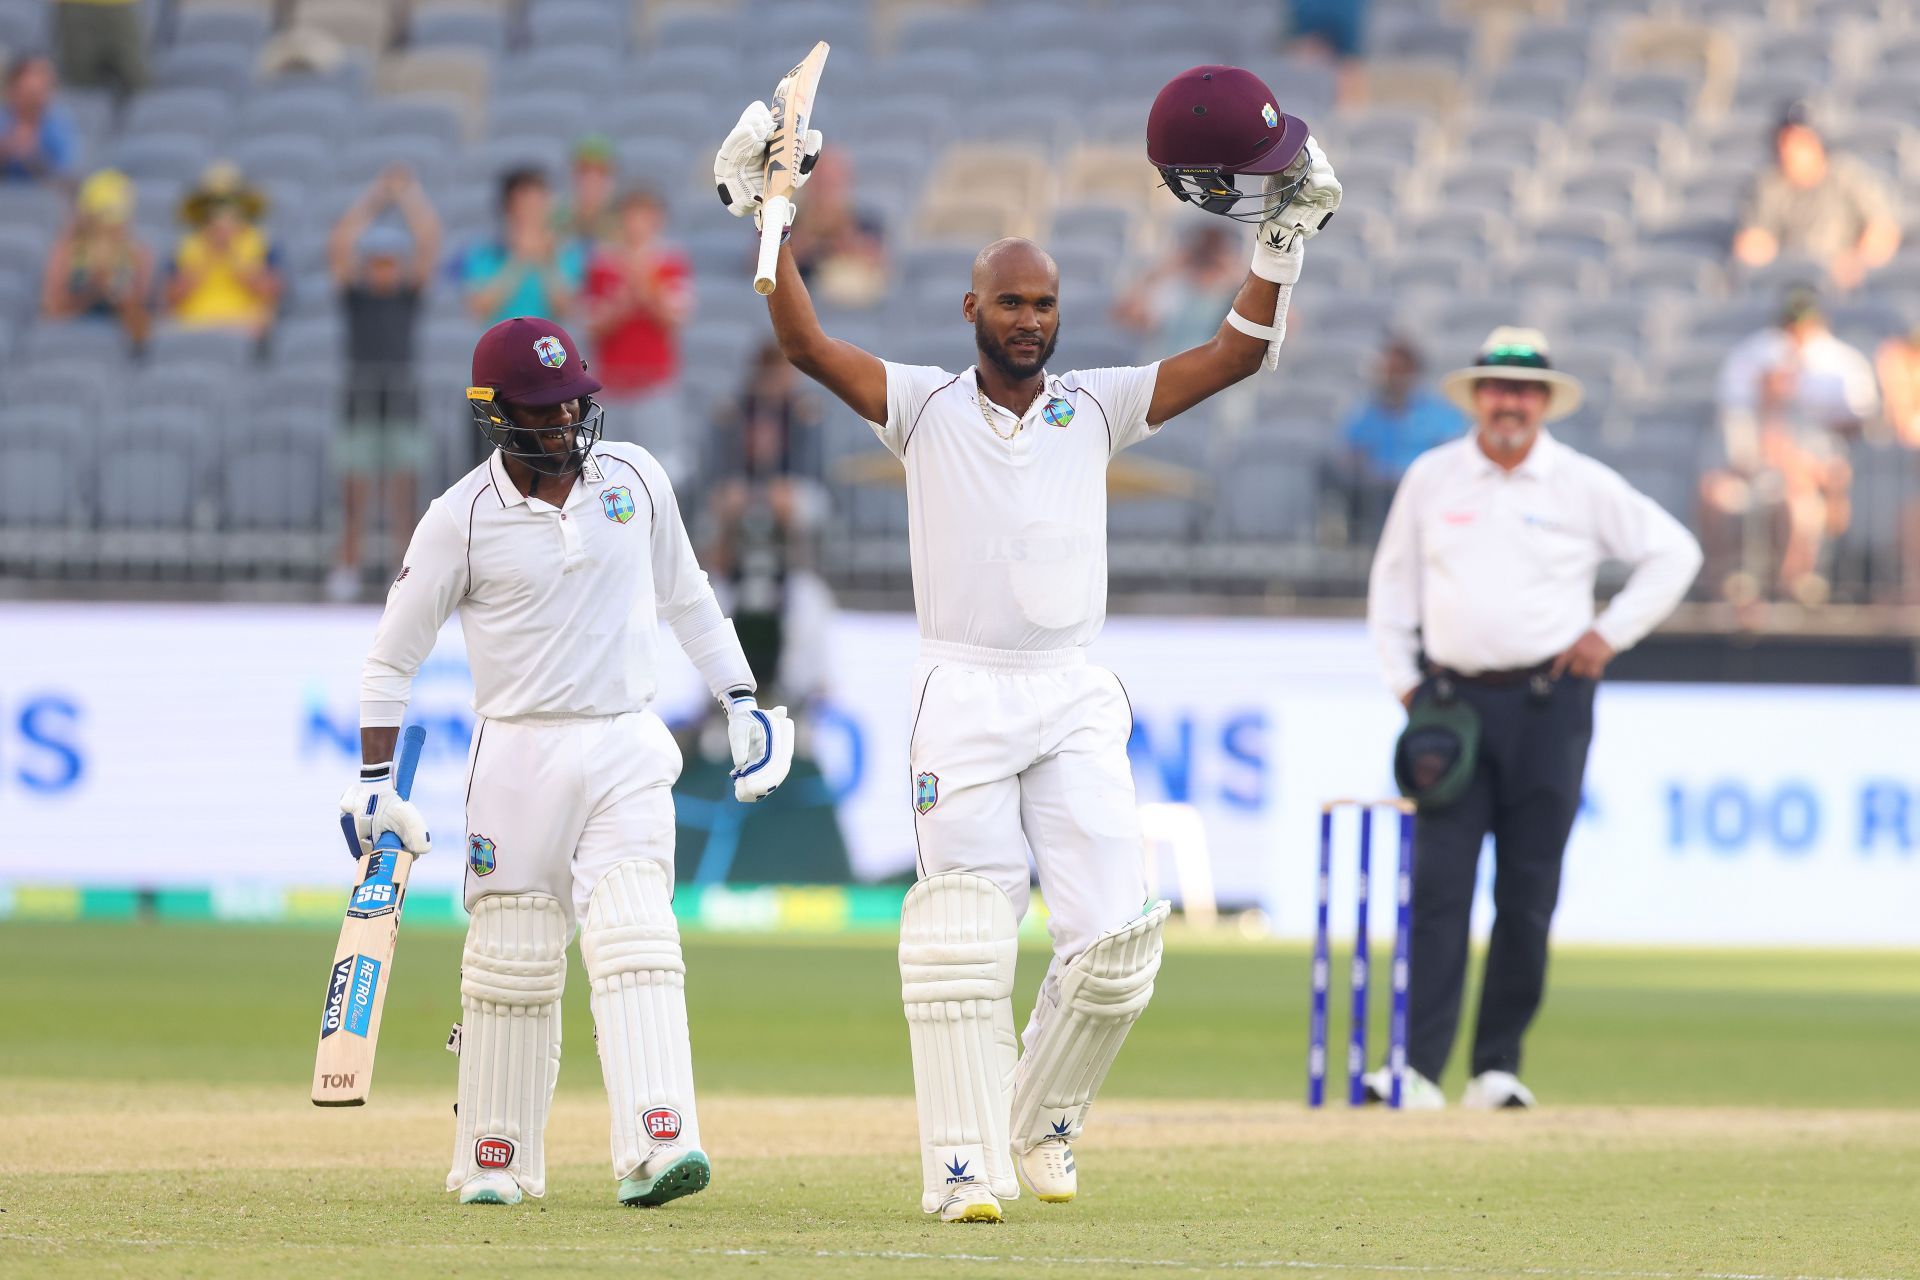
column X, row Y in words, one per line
column 202, row 112
column 274, row 481
column 213, row 66
column 577, row 24
column 480, row 26
column 176, row 157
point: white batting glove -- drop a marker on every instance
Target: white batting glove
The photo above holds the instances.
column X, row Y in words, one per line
column 762, row 743
column 740, row 166
column 373, row 808
column 1277, row 251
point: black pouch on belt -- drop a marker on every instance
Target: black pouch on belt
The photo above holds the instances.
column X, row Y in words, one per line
column 1434, row 759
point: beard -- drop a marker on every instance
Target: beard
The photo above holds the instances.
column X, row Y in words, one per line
column 997, row 355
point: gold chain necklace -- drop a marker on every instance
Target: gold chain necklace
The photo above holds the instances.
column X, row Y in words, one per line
column 986, row 410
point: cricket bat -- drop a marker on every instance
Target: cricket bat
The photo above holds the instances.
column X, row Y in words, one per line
column 363, row 961
column 792, row 107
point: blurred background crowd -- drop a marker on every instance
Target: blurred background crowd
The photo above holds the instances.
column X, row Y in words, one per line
column 246, row 246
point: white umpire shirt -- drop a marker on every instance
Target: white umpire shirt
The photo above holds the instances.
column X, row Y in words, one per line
column 560, row 605
column 1494, row 570
column 1007, row 529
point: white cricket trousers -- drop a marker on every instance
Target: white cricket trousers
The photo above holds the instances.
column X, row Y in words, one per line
column 1013, row 749
column 554, row 802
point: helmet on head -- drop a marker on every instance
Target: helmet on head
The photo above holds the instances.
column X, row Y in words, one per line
column 1211, row 123
column 530, row 363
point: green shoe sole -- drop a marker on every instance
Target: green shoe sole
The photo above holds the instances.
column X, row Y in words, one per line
column 688, row 1174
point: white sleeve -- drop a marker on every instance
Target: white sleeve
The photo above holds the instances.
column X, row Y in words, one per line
column 1393, row 590
column 432, row 580
column 1664, row 558
column 685, row 598
column 1123, row 393
column 909, row 387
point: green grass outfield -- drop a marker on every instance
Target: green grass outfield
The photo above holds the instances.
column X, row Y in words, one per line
column 1708, row 1113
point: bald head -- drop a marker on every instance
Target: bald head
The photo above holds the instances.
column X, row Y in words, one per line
column 1014, row 305
column 1013, row 261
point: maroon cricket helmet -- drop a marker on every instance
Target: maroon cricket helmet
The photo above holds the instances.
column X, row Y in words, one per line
column 1212, row 122
column 531, row 361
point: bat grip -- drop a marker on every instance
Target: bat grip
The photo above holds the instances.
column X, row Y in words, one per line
column 774, row 217
column 404, row 768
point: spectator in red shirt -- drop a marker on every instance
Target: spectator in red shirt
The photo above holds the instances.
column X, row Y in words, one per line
column 639, row 294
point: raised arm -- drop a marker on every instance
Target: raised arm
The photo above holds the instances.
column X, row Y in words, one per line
column 1247, row 338
column 856, row 376
column 739, row 171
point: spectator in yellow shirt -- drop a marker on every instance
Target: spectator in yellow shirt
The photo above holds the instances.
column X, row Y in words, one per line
column 98, row 268
column 224, row 273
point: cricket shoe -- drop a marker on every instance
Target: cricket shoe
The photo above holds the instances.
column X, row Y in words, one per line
column 1496, row 1091
column 490, row 1188
column 1417, row 1093
column 970, row 1202
column 669, row 1172
column 1047, row 1169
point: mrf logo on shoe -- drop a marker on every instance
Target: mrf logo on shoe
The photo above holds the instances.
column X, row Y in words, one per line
column 662, row 1124
column 493, row 1153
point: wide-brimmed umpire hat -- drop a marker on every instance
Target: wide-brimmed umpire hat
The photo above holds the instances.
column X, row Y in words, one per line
column 1515, row 355
column 531, row 361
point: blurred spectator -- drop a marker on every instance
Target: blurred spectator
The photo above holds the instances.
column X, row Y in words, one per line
column 528, row 271
column 38, row 140
column 764, row 478
column 1829, row 208
column 1399, row 422
column 589, row 217
column 101, row 44
column 1181, row 299
column 1791, row 396
column 225, row 272
column 380, row 272
column 1332, row 31
column 98, row 267
column 840, row 250
column 1898, row 364
column 637, row 297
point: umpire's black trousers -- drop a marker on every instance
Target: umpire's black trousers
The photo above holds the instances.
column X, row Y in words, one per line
column 1526, row 791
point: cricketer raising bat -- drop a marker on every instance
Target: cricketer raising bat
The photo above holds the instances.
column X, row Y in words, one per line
column 792, row 106
column 363, row 962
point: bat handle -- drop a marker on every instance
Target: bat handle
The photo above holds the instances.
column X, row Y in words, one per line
column 409, row 762
column 774, row 217
column 404, row 768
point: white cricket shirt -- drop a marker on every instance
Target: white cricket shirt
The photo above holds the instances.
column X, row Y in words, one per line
column 560, row 605
column 1008, row 537
column 1494, row 570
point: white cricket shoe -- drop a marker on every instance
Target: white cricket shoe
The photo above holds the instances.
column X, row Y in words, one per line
column 1496, row 1091
column 1417, row 1093
column 668, row 1172
column 490, row 1188
column 970, row 1202
column 1047, row 1168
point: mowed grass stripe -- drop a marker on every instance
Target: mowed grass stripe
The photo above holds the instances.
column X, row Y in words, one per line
column 238, row 1005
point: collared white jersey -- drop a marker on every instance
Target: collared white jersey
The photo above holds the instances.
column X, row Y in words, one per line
column 1493, row 570
column 560, row 605
column 1008, row 537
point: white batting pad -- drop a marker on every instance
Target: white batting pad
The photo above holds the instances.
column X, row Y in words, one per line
column 631, row 944
column 511, row 976
column 1100, row 995
column 957, row 947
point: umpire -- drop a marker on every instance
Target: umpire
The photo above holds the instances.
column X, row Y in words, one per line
column 1481, row 605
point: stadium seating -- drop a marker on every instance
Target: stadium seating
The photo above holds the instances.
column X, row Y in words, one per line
column 1575, row 163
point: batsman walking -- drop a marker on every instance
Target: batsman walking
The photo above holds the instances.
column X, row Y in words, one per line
column 1017, row 741
column 562, row 554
